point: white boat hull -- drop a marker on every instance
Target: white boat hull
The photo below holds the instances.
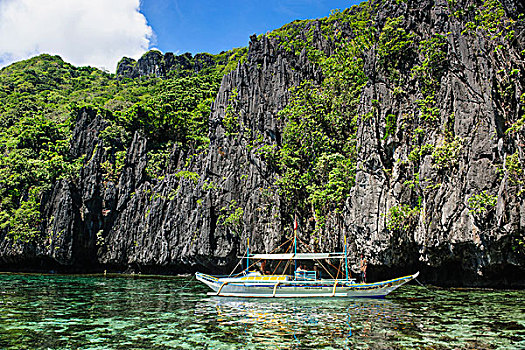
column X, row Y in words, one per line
column 234, row 287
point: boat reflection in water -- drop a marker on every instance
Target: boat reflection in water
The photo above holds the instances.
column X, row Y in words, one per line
column 306, row 323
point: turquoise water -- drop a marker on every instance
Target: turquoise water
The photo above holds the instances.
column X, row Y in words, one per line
column 122, row 312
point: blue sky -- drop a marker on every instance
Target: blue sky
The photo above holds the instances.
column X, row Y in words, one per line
column 100, row 32
column 215, row 26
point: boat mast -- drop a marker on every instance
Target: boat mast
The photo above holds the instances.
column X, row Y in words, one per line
column 295, row 241
column 346, row 261
column 248, row 256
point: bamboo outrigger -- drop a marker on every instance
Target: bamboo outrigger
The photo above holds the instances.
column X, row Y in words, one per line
column 254, row 285
column 299, row 285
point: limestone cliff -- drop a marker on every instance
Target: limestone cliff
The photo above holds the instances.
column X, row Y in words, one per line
column 154, row 63
column 437, row 190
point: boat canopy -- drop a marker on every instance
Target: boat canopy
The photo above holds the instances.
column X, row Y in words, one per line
column 304, row 256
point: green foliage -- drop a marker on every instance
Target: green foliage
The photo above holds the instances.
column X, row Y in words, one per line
column 515, row 171
column 113, row 169
column 514, row 168
column 288, row 36
column 391, row 125
column 178, row 111
column 434, row 60
column 481, row 203
column 228, row 60
column 206, row 186
column 490, row 17
column 231, row 216
column 402, row 217
column 317, row 158
column 418, row 132
column 518, row 124
column 49, row 86
column 418, row 152
column 100, row 241
column 415, row 154
column 176, row 114
column 334, row 176
column 23, row 221
column 360, row 18
column 114, row 136
column 33, row 155
column 429, row 111
column 190, row 175
column 185, row 65
column 299, row 35
column 39, row 98
column 433, row 54
column 231, row 119
column 394, row 47
column 158, row 160
column 414, row 183
column 446, row 155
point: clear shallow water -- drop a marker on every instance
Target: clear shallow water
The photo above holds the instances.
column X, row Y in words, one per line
column 120, row 312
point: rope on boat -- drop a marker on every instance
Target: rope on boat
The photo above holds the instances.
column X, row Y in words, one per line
column 280, row 261
column 185, row 286
column 428, row 289
column 255, row 263
column 311, row 250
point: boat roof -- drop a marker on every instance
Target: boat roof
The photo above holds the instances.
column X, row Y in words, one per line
column 303, row 256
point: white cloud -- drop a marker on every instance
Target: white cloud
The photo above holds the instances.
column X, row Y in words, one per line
column 83, row 32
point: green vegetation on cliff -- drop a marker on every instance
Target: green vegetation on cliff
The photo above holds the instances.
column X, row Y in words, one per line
column 318, row 157
column 318, row 160
column 40, row 99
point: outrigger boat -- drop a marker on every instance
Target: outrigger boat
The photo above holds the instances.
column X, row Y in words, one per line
column 301, row 284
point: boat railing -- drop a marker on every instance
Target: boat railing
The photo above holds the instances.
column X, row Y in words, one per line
column 206, row 277
column 258, row 277
column 291, row 282
column 305, row 275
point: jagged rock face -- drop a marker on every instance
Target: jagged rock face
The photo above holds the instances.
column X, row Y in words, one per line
column 187, row 217
column 448, row 241
column 126, row 67
column 179, row 224
column 72, row 210
column 154, row 63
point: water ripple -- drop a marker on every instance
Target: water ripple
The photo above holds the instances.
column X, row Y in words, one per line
column 120, row 312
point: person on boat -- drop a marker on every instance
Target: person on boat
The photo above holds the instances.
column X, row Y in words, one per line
column 301, row 268
column 262, row 267
column 362, row 269
column 317, row 271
